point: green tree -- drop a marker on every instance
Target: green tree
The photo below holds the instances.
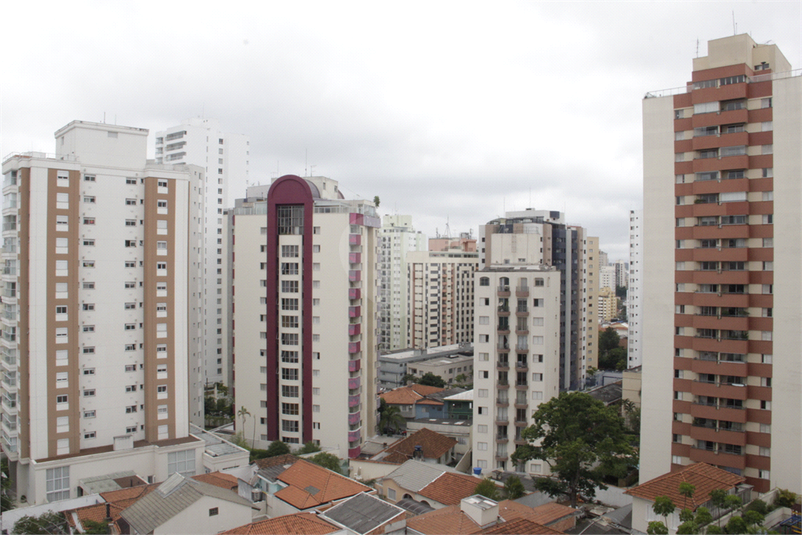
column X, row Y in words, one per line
column 736, row 524
column 46, row 523
column 719, row 499
column 703, row 516
column 327, row 460
column 582, row 441
column 785, row 498
column 487, row 488
column 376, row 201
column 686, row 490
column 430, row 379
column 309, row 447
column 687, row 528
column 657, row 528
column 514, row 488
column 93, row 527
column 663, row 506
column 408, row 379
column 713, row 530
column 753, row 518
column 608, row 340
column 277, row 448
column 243, row 413
column 391, row 418
column 6, row 498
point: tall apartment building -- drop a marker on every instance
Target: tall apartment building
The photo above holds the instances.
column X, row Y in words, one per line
column 304, row 314
column 465, row 242
column 99, row 345
column 514, row 372
column 621, row 273
column 607, row 276
column 397, row 238
column 223, row 156
column 441, row 291
column 722, row 294
column 635, row 290
column 535, row 237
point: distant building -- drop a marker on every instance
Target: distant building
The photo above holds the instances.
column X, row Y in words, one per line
column 223, row 157
column 440, row 298
column 397, row 238
column 464, row 243
column 621, row 274
column 395, row 365
column 635, row 289
column 607, row 304
column 607, row 277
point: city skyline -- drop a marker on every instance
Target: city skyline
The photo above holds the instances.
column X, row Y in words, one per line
column 431, row 113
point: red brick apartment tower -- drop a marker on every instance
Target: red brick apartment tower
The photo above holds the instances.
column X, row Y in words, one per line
column 721, row 158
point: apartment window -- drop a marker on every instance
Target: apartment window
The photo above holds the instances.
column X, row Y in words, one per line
column 289, row 286
column 58, row 483
column 182, row 462
column 89, row 414
column 290, row 426
column 288, row 268
column 89, row 328
column 289, row 391
column 484, row 281
column 289, row 339
column 89, row 392
column 130, row 347
column 130, row 409
column 89, row 178
column 289, row 374
column 130, row 264
column 129, row 306
column 130, row 388
column 289, row 321
column 706, row 107
column 316, row 248
column 130, row 367
column 289, row 356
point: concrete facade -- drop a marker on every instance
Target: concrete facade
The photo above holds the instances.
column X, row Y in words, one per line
column 722, row 298
column 635, row 289
column 100, row 353
column 223, row 156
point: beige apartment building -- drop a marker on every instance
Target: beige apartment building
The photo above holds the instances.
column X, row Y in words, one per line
column 722, row 298
column 101, row 358
column 440, row 301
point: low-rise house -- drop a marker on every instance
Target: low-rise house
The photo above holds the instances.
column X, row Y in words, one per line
column 307, row 487
column 295, row 524
column 183, row 505
column 423, row 445
column 434, row 405
column 406, row 397
column 702, row 476
column 477, row 514
column 434, row 486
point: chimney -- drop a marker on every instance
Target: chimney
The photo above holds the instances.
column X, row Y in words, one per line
column 481, row 510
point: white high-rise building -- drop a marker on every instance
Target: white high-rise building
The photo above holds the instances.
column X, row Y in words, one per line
column 224, row 157
column 397, row 238
column 722, row 295
column 607, row 277
column 514, row 372
column 635, row 290
column 305, row 315
column 100, row 352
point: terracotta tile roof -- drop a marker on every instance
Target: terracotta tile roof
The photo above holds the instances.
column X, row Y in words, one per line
column 542, row 514
column 118, row 500
column 297, row 524
column 450, row 488
column 408, row 395
column 446, row 520
column 287, row 458
column 218, row 479
column 520, row 526
column 311, row 485
column 703, row 476
column 434, row 445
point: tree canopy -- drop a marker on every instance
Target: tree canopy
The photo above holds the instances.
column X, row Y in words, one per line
column 582, row 441
column 611, row 355
column 327, row 460
column 514, row 488
column 487, row 488
column 390, row 418
column 430, row 379
column 46, row 523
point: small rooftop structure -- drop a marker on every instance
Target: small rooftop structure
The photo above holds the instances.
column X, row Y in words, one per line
column 108, row 482
column 364, row 513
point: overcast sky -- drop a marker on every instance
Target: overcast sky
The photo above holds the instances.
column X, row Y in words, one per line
column 449, row 111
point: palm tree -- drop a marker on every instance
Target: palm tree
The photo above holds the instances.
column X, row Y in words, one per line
column 243, row 413
column 391, row 417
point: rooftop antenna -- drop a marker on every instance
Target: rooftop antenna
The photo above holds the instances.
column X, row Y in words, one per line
column 734, row 25
column 697, row 47
column 306, row 161
column 312, row 170
column 448, row 228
